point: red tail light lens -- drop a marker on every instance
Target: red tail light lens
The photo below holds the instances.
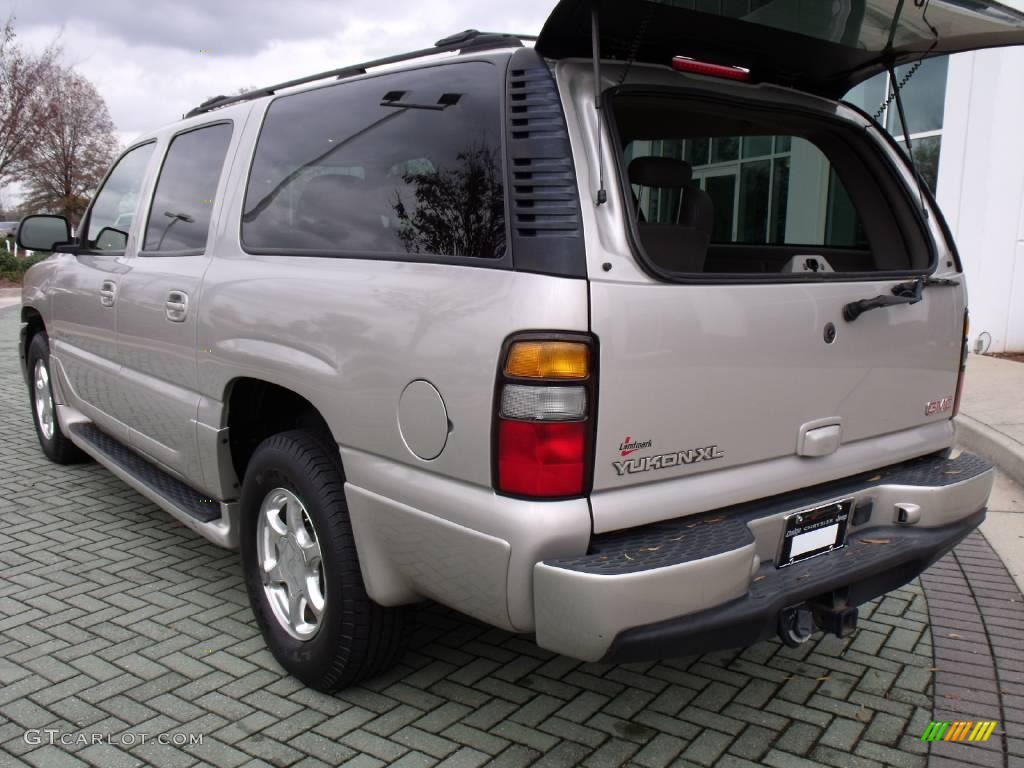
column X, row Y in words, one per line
column 683, row 64
column 544, row 415
column 541, row 458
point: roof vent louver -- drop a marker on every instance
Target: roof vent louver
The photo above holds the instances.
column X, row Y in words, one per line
column 544, row 199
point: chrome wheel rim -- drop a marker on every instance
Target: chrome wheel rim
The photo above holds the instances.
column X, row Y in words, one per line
column 43, row 399
column 291, row 565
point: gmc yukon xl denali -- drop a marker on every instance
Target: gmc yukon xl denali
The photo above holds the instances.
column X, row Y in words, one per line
column 637, row 338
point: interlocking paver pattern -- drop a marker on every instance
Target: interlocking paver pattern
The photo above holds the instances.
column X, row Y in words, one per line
column 114, row 619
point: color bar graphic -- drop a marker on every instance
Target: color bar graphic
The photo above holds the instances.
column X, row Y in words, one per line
column 959, row 730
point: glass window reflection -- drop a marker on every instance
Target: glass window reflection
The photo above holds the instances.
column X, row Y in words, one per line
column 407, row 163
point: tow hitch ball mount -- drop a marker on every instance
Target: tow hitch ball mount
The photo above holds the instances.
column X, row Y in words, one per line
column 829, row 613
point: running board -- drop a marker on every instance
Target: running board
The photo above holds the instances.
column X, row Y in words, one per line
column 208, row 517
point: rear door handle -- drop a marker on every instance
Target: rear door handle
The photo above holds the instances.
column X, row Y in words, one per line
column 108, row 292
column 177, row 306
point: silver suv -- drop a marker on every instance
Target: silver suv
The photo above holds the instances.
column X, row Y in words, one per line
column 635, row 339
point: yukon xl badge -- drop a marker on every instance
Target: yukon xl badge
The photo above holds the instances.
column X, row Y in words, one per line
column 664, row 460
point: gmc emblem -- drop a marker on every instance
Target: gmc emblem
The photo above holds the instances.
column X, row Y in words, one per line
column 938, row 406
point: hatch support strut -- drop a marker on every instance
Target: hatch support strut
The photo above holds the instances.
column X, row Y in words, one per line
column 906, row 138
column 897, row 87
column 595, row 46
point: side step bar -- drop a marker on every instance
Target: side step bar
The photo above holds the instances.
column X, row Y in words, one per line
column 210, row 518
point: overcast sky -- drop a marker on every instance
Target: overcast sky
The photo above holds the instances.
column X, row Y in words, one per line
column 153, row 60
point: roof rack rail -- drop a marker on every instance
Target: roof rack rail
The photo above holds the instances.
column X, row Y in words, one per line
column 465, row 42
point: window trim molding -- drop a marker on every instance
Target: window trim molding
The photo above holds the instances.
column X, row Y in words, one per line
column 142, row 252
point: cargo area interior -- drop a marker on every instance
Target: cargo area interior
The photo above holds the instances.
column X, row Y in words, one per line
column 736, row 189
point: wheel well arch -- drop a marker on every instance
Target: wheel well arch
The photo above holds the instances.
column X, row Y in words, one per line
column 32, row 319
column 255, row 409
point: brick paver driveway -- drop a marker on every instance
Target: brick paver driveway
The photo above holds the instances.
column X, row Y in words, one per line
column 115, row 622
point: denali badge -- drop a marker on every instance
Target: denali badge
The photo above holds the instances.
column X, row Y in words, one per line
column 629, row 445
column 938, row 406
column 666, row 460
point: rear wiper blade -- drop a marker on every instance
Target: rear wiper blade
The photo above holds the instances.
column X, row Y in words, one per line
column 903, row 293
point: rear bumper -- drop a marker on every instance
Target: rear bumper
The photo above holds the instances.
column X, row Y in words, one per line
column 709, row 581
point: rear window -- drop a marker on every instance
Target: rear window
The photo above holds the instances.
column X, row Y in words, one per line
column 747, row 181
column 716, row 190
column 407, row 164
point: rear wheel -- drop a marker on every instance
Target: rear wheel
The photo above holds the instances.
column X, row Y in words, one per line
column 55, row 444
column 302, row 571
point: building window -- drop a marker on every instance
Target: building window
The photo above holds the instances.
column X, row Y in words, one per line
column 924, row 97
column 750, row 180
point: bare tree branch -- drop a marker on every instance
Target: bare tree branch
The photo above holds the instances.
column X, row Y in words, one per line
column 23, row 80
column 75, row 144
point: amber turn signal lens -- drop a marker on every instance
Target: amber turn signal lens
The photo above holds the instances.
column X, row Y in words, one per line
column 548, row 360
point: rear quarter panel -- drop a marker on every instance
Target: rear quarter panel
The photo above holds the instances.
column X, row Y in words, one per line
column 349, row 335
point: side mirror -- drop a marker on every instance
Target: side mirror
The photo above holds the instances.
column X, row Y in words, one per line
column 43, row 233
column 110, row 239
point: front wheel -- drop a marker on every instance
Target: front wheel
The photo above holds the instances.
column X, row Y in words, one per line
column 55, row 444
column 302, row 571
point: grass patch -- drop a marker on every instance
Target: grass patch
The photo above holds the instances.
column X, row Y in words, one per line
column 13, row 268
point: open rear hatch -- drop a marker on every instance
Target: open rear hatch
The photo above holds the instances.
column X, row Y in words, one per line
column 741, row 368
column 823, row 47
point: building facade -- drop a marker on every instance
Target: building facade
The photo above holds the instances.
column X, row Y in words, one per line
column 966, row 119
column 981, row 189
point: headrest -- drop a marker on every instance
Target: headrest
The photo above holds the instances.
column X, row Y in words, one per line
column 660, row 172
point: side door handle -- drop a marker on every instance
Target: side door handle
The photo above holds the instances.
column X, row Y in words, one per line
column 177, row 306
column 108, row 292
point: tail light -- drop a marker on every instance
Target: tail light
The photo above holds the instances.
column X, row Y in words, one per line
column 685, row 64
column 544, row 418
column 963, row 364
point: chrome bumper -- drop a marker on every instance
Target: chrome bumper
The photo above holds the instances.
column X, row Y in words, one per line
column 709, row 581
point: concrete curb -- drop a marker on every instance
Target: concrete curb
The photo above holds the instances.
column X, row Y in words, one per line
column 982, row 439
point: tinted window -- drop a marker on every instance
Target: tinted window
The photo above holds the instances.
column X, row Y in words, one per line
column 779, row 190
column 408, row 163
column 179, row 218
column 115, row 204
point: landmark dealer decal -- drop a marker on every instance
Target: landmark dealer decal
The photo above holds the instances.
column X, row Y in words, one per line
column 661, row 461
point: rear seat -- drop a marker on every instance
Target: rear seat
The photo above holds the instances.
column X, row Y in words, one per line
column 680, row 245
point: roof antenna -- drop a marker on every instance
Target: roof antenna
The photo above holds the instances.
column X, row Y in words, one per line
column 595, row 46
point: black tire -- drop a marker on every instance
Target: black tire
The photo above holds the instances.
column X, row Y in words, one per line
column 57, row 447
column 357, row 638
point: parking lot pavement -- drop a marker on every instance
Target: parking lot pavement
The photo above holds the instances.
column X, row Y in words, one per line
column 1004, row 525
column 9, row 297
column 116, row 622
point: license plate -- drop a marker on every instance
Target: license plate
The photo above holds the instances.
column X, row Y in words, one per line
column 814, row 532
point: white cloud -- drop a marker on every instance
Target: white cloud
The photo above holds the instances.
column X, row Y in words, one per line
column 146, row 60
